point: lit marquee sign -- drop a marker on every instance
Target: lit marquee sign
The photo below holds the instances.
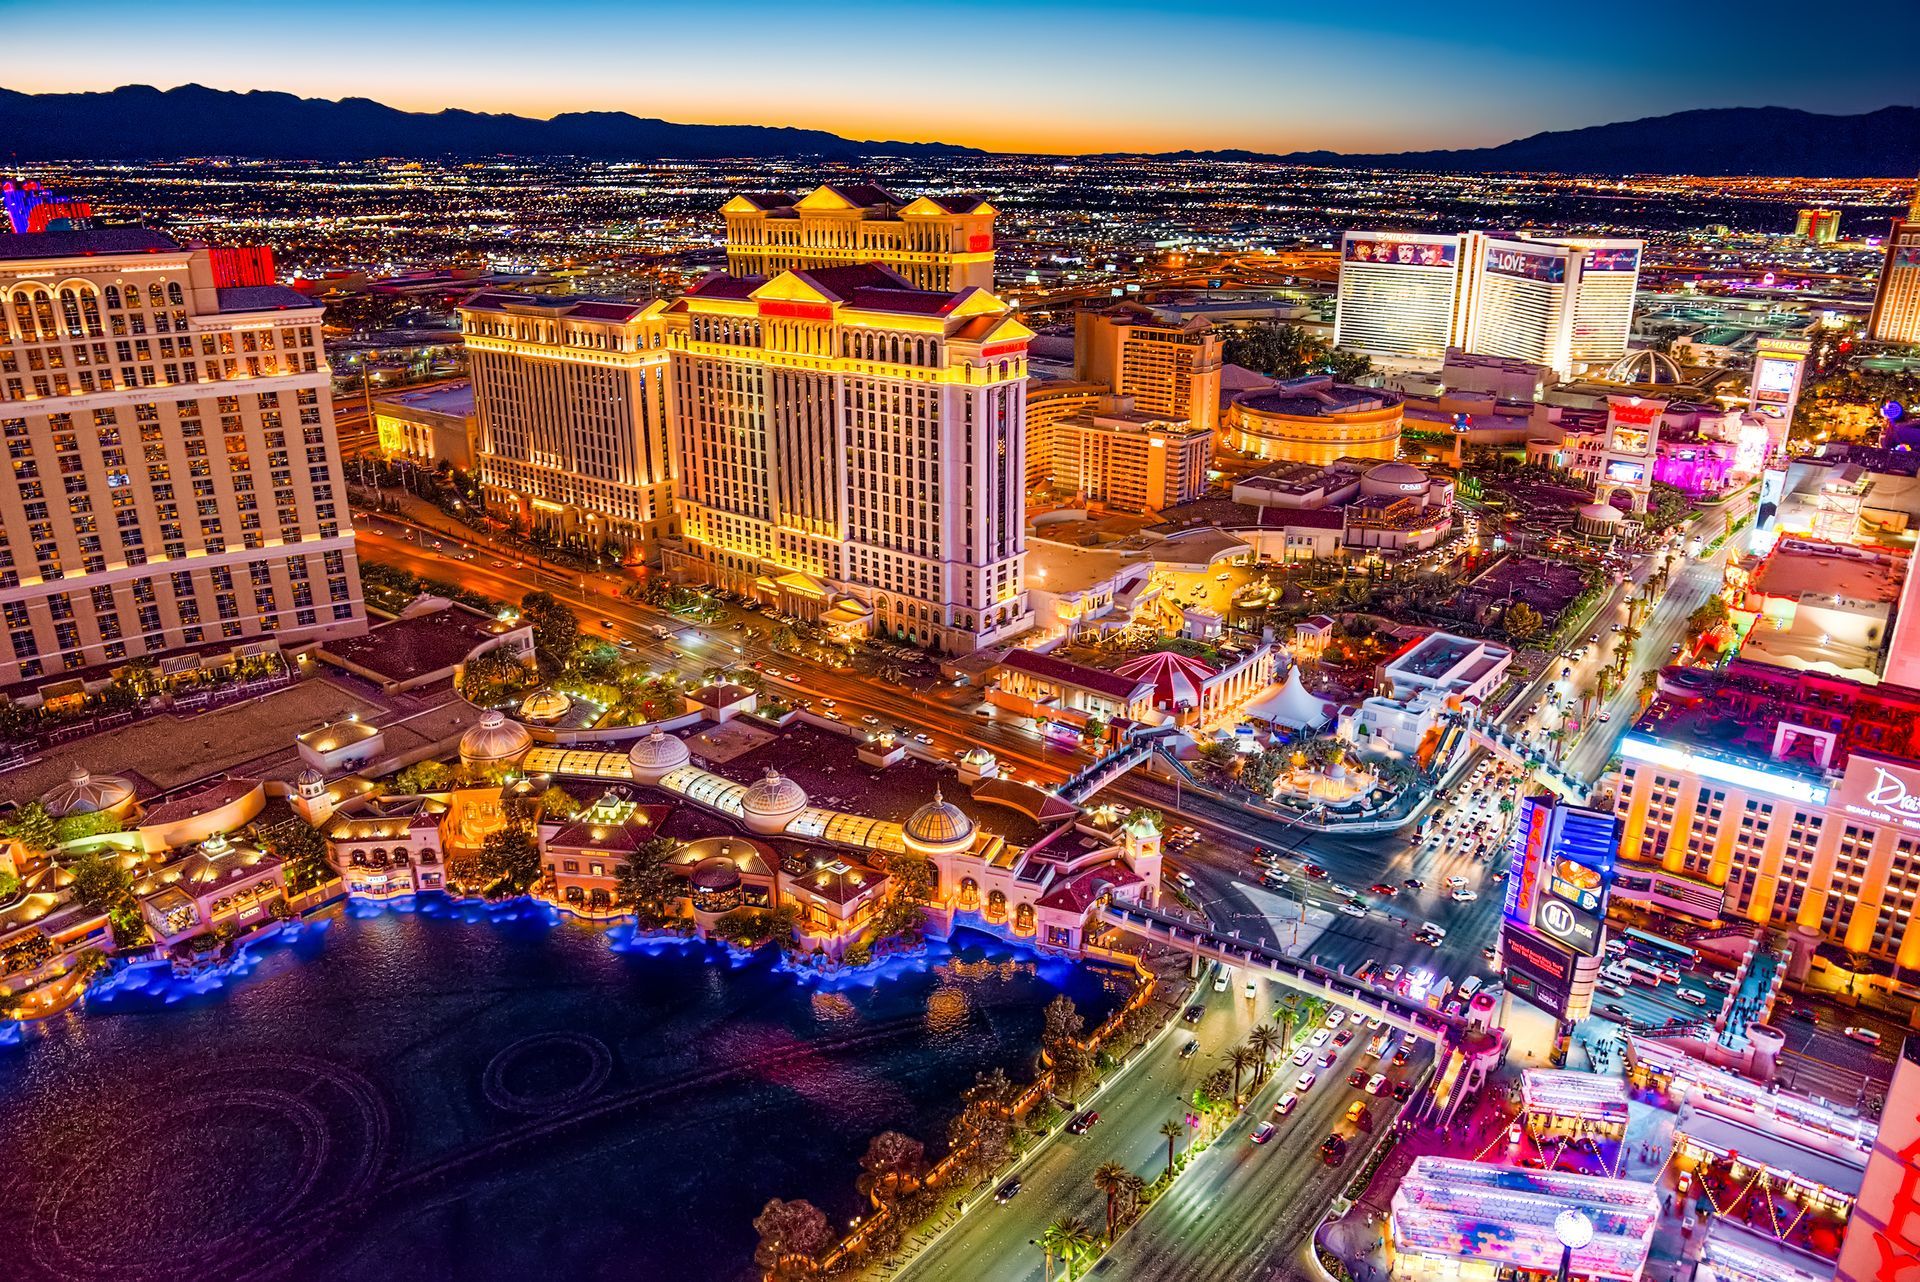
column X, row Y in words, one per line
column 1881, row 791
column 1752, row 778
column 1550, row 268
column 1400, row 253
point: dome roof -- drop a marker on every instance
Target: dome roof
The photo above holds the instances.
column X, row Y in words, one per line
column 939, row 823
column 545, row 704
column 1396, row 474
column 1644, row 366
column 1602, row 513
column 977, row 756
column 773, row 794
column 495, row 739
column 717, row 873
column 659, row 751
column 86, row 794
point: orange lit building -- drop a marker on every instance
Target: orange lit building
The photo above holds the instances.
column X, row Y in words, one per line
column 936, row 242
column 1315, row 420
column 1169, row 369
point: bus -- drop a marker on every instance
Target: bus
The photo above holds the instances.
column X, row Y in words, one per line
column 1661, row 952
column 1641, row 972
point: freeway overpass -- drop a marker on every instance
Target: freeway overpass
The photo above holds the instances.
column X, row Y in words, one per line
column 1396, row 1011
column 1495, row 739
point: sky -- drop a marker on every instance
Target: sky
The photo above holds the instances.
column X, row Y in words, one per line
column 1008, row 75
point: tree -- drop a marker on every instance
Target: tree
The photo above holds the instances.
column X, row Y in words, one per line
column 1172, row 1130
column 1265, row 1041
column 555, row 630
column 983, row 1131
column 99, row 882
column 1288, row 351
column 304, row 849
column 1522, row 621
column 509, row 861
column 493, row 675
column 32, row 826
column 645, row 883
column 893, row 1164
column 792, row 1236
column 1241, row 1058
column 1061, row 1035
column 1710, row 616
column 1110, row 1178
column 1069, row 1238
column 559, row 802
column 424, row 776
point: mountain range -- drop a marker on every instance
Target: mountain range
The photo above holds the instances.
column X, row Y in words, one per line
column 139, row 121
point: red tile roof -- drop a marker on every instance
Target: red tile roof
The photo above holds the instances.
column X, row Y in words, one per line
column 1048, row 668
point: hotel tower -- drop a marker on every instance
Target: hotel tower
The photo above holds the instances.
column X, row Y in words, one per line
column 174, row 475
column 940, row 243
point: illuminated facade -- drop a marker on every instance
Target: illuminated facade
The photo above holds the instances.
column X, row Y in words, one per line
column 936, row 242
column 852, row 449
column 1129, row 460
column 1786, row 798
column 430, row 426
column 1882, row 1242
column 1821, row 226
column 1896, row 303
column 570, row 410
column 1315, row 420
column 1051, row 402
column 175, row 475
column 1172, row 370
column 1561, row 303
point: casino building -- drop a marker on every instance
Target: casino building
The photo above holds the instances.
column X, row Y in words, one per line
column 1564, row 303
column 937, row 242
column 851, row 449
column 1896, row 303
column 1786, row 798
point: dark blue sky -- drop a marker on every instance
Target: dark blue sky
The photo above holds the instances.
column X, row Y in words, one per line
column 1081, row 75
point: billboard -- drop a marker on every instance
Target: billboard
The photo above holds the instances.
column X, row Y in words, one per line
column 1612, row 260
column 1537, row 971
column 1400, row 253
column 1774, row 379
column 1563, row 870
column 1527, row 264
column 1881, row 791
column 1626, row 473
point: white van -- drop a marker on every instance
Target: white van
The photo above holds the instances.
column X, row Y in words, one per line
column 1222, row 979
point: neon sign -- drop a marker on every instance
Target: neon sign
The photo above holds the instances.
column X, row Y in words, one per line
column 1550, row 268
column 1400, row 253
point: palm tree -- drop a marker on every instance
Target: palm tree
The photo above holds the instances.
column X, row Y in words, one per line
column 1110, row 1178
column 1285, row 1015
column 1173, row 1130
column 1067, row 1237
column 1264, row 1041
column 1241, row 1058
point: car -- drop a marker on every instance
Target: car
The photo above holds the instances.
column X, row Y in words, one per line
column 831, row 715
column 1403, row 1090
column 1456, row 882
column 498, row 565
column 1301, row 1056
column 624, row 643
column 829, row 703
column 1377, row 1084
column 1345, row 892
column 1603, row 717
column 1353, row 910
column 1285, row 1104
column 1184, row 878
column 1375, row 1023
column 1692, row 997
column 1674, row 651
column 1333, row 1150
column 1262, row 1133
column 1083, row 1123
column 870, row 720
column 1191, row 1049
column 1858, row 1034
column 922, row 738
column 1610, row 988
column 1391, row 974
column 606, row 623
column 1464, row 896
column 1313, row 870
column 1360, row 1115
column 1321, row 1037
column 1342, row 1037
column 1616, row 1010
column 1193, row 1013
column 1253, row 990
column 1499, row 878
column 1414, row 883
column 1304, row 1082
column 1007, row 1192
column 1401, row 1056
column 1382, row 888
column 1806, row 1013
column 1271, row 878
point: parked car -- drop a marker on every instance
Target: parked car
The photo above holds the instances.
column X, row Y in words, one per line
column 1262, row 1133
column 1084, row 1123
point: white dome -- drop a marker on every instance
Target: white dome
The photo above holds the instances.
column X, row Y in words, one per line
column 656, row 755
column 771, row 802
column 495, row 741
column 1645, row 366
column 1393, row 478
column 86, row 794
column 977, row 756
column 1602, row 514
column 939, row 824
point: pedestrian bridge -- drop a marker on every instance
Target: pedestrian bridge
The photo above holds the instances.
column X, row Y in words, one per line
column 1392, row 1009
column 1495, row 739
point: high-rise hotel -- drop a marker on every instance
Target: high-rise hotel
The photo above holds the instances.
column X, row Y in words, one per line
column 1896, row 302
column 570, row 415
column 851, row 448
column 940, row 243
column 173, row 472
column 1562, row 303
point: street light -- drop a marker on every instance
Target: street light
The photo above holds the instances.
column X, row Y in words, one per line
column 1575, row 1230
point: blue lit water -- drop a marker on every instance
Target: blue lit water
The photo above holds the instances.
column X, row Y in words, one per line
column 443, row 1093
